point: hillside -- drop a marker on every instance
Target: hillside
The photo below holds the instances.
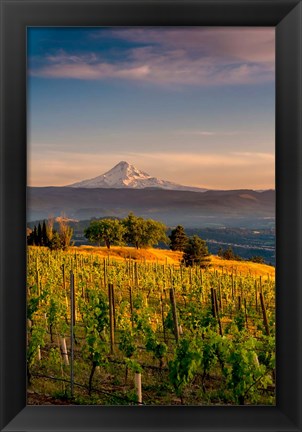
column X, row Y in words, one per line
column 163, row 256
column 237, row 208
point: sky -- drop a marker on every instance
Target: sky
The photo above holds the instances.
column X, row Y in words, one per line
column 192, row 105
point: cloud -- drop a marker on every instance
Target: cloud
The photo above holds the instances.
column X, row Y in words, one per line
column 197, row 56
column 205, row 133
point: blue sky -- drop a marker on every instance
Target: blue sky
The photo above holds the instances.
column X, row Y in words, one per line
column 192, row 105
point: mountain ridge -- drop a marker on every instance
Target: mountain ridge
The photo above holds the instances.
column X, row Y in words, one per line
column 126, row 176
column 192, row 209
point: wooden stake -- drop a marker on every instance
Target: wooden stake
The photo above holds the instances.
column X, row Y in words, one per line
column 138, row 387
column 265, row 322
column 72, row 323
column 174, row 312
column 111, row 319
column 217, row 311
column 163, row 317
column 213, row 303
column 131, row 306
column 245, row 313
column 64, row 350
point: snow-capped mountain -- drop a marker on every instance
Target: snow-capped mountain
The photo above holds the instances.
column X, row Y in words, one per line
column 124, row 175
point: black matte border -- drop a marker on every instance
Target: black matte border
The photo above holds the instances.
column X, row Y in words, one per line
column 16, row 15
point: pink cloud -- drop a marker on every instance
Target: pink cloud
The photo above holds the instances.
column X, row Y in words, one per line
column 186, row 56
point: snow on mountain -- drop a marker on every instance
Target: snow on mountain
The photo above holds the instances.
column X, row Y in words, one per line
column 124, row 175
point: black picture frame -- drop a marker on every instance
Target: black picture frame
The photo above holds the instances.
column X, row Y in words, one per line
column 16, row 15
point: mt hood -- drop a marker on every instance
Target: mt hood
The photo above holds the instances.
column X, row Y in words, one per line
column 124, row 175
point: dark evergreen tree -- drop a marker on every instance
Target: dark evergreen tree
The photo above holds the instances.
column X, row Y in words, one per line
column 196, row 253
column 45, row 239
column 39, row 235
column 257, row 259
column 220, row 252
column 35, row 236
column 31, row 237
column 178, row 239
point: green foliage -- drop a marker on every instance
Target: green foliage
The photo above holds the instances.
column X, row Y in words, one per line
column 228, row 254
column 134, row 229
column 257, row 259
column 244, row 373
column 143, row 233
column 35, row 340
column 204, row 367
column 196, row 253
column 159, row 349
column 32, row 307
column 95, row 316
column 186, row 362
column 107, row 231
column 133, row 365
column 178, row 239
column 45, row 235
column 127, row 343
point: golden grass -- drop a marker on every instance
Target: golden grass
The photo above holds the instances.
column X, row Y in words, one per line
column 165, row 256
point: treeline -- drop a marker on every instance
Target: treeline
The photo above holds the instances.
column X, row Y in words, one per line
column 180, row 241
column 141, row 233
column 228, row 254
column 133, row 231
column 46, row 235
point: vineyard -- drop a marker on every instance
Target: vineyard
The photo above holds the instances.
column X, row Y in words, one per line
column 136, row 331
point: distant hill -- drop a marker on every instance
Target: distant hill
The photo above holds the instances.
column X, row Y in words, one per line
column 237, row 208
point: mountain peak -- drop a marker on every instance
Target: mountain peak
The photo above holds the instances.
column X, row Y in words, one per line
column 125, row 175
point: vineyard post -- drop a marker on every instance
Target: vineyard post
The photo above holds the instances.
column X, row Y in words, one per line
column 216, row 309
column 64, row 289
column 213, row 302
column 256, row 295
column 39, row 353
column 138, row 387
column 113, row 306
column 219, row 293
column 232, row 285
column 105, row 273
column 174, row 312
column 163, row 317
column 131, row 306
column 239, row 303
column 245, row 313
column 111, row 319
column 264, row 313
column 135, row 275
column 64, row 350
column 72, row 322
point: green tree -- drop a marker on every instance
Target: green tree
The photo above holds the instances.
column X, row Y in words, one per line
column 55, row 242
column 134, row 230
column 228, row 254
column 153, row 233
column 143, row 232
column 109, row 231
column 196, row 252
column 178, row 239
column 257, row 259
